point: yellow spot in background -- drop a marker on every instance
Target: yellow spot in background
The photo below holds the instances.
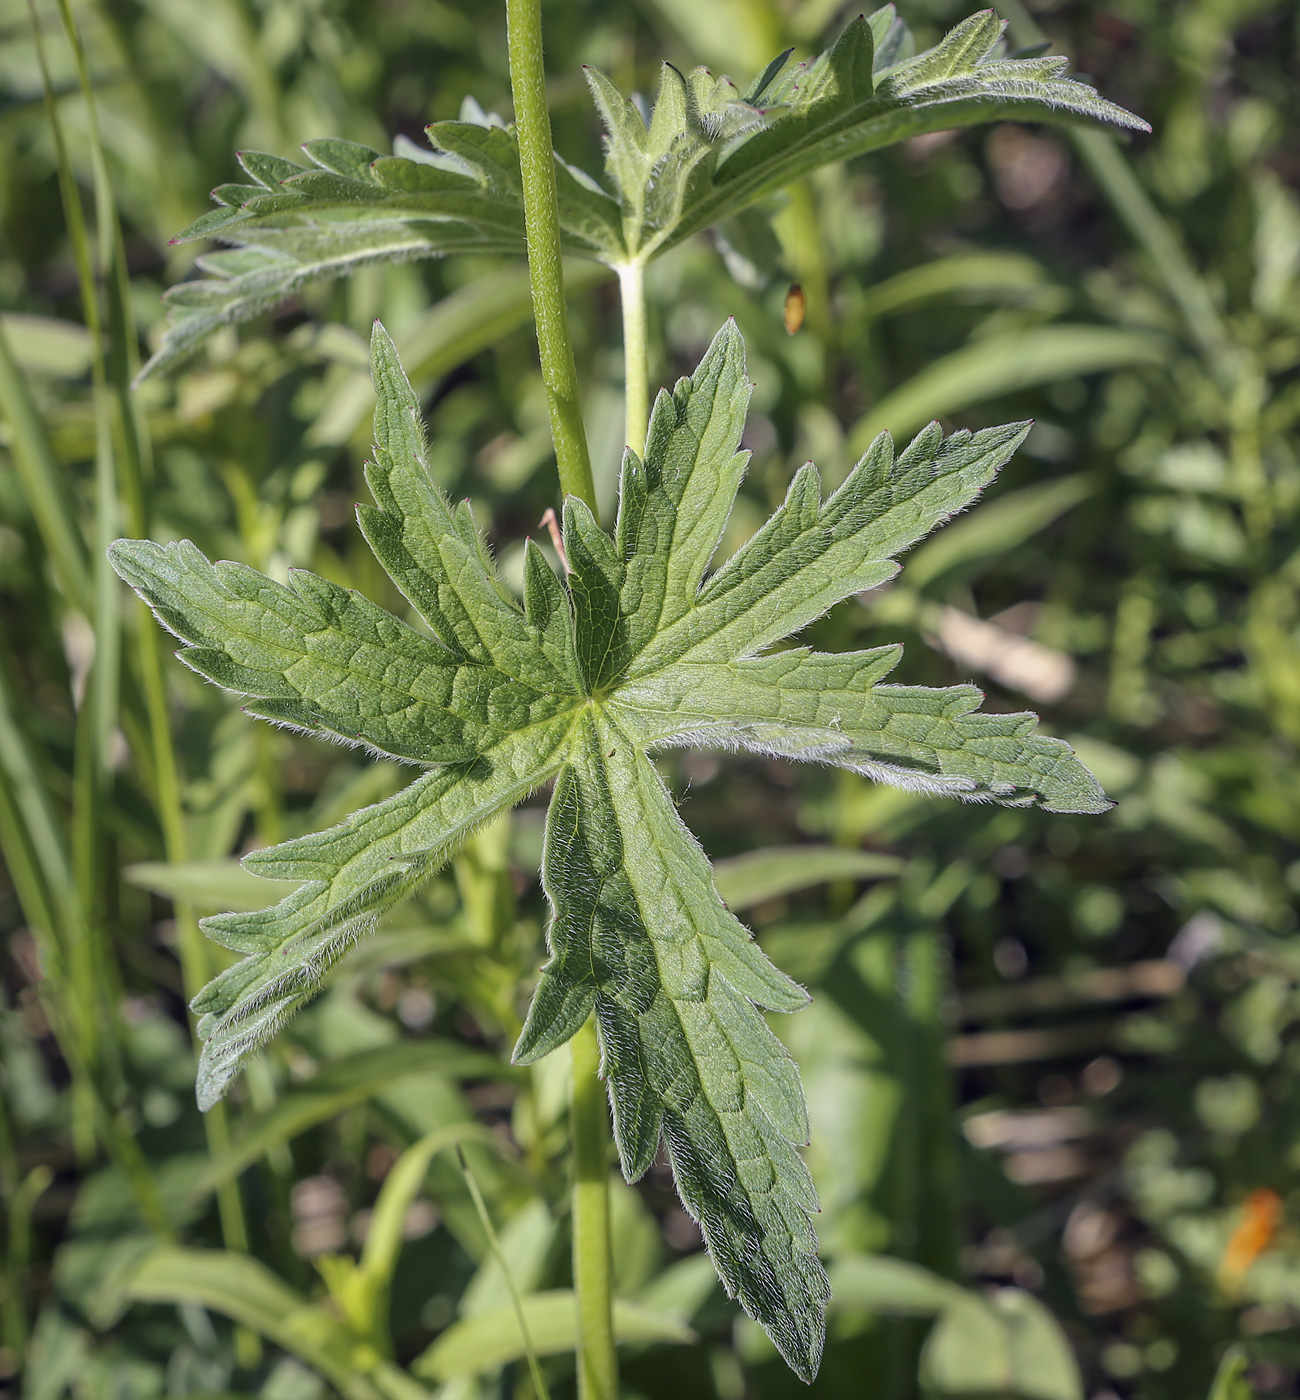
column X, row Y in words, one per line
column 1254, row 1233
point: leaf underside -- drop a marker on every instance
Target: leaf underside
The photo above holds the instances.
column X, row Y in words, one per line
column 639, row 648
column 708, row 153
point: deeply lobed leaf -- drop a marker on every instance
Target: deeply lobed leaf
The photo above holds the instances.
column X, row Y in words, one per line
column 437, row 557
column 708, row 153
column 299, row 224
column 640, row 650
column 638, row 599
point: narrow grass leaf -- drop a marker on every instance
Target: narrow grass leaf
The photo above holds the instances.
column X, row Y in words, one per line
column 492, row 1339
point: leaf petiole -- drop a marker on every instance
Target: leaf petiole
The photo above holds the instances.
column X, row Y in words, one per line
column 636, row 353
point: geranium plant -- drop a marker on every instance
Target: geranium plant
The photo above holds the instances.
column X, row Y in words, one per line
column 635, row 646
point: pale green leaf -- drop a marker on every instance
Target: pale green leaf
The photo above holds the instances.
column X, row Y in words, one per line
column 352, row 207
column 744, row 881
column 1008, row 1345
column 965, row 277
column 831, row 708
column 1004, row 364
column 239, row 1287
column 890, row 1287
column 351, row 875
column 682, row 1288
column 489, row 1340
column 277, row 263
column 710, row 150
column 208, row 884
column 45, row 345
column 363, row 1289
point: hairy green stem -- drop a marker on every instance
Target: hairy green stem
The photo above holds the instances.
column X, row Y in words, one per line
column 592, row 1261
column 597, row 1363
column 636, row 354
column 546, row 270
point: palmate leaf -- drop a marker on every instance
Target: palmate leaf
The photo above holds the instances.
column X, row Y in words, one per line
column 708, row 152
column 639, row 649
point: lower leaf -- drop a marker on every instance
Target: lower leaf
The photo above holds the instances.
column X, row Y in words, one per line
column 353, row 873
column 640, row 935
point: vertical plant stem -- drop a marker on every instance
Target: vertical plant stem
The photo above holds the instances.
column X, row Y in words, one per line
column 597, row 1362
column 636, row 354
column 542, row 226
column 592, row 1261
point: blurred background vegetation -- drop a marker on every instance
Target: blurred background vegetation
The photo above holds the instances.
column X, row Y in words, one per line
column 1051, row 1061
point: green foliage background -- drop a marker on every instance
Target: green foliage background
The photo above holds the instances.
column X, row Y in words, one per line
column 1048, row 1058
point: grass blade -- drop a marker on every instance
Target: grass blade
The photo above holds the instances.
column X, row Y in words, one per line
column 1003, row 364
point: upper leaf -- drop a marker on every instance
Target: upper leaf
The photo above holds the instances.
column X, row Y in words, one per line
column 707, row 153
column 276, row 263
column 469, row 180
column 709, row 150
